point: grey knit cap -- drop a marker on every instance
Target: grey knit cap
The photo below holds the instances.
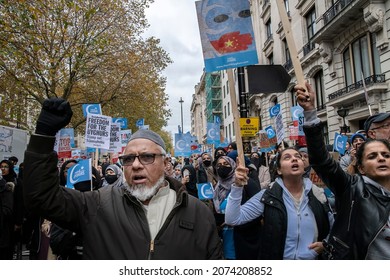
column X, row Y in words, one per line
column 150, row 135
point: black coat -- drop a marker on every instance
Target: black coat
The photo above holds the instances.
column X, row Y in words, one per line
column 362, row 209
column 6, row 215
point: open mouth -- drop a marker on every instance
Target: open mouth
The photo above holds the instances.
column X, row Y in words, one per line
column 383, row 167
column 295, row 166
column 138, row 179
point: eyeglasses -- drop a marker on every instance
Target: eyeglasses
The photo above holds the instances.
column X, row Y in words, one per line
column 4, row 167
column 145, row 159
column 385, row 126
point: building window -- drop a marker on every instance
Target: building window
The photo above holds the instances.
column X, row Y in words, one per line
column 311, row 23
column 286, row 51
column 225, row 111
column 287, row 7
column 227, row 88
column 230, row 131
column 361, row 58
column 274, row 101
column 293, row 98
column 268, row 28
column 228, row 108
column 319, row 88
column 325, row 132
column 270, row 59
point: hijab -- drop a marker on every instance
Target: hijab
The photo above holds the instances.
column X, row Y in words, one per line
column 222, row 189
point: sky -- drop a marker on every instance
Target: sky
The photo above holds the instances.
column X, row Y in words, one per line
column 175, row 23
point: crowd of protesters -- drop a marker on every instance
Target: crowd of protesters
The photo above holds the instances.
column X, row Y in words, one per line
column 147, row 205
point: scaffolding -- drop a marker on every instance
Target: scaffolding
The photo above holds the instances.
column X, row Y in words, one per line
column 213, row 96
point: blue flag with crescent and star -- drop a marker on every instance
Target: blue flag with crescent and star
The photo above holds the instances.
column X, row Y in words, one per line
column 183, row 143
column 93, row 108
column 213, row 134
column 80, row 172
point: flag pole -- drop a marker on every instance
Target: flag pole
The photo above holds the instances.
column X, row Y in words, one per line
column 236, row 117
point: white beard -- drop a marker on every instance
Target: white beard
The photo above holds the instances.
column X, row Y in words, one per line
column 142, row 192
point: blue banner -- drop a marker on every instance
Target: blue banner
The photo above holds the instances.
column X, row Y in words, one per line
column 340, row 143
column 93, row 108
column 80, row 172
column 226, row 33
column 205, row 191
column 121, row 121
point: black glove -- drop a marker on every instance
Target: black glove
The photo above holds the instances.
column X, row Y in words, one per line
column 55, row 114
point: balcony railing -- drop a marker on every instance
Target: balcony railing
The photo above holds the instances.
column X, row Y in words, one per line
column 374, row 79
column 333, row 11
column 308, row 48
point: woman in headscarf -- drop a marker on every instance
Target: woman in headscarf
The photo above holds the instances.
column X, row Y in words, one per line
column 113, row 176
column 238, row 242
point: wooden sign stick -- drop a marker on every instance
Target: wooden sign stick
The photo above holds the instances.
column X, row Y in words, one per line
column 291, row 43
column 236, row 117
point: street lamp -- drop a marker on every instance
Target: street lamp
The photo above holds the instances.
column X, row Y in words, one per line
column 181, row 106
column 343, row 112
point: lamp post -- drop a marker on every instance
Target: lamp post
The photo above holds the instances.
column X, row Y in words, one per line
column 181, row 107
column 343, row 112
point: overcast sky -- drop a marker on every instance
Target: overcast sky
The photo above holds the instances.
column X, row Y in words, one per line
column 175, row 23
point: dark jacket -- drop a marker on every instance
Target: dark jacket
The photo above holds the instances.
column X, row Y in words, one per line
column 274, row 230
column 114, row 223
column 362, row 209
column 246, row 236
column 6, row 215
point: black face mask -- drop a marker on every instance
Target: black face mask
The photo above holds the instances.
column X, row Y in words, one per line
column 111, row 178
column 207, row 163
column 255, row 161
column 224, row 171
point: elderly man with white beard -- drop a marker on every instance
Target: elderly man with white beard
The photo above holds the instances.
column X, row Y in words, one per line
column 151, row 217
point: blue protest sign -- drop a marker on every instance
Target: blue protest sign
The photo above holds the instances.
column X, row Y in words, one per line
column 340, row 143
column 205, row 191
column 121, row 121
column 270, row 132
column 274, row 110
column 226, row 34
column 80, row 172
column 93, row 108
column 140, row 122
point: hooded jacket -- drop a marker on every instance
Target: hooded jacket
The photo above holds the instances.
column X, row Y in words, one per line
column 113, row 222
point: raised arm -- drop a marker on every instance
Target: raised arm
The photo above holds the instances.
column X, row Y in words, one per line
column 322, row 162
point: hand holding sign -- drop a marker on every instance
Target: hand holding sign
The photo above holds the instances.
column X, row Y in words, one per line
column 305, row 98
